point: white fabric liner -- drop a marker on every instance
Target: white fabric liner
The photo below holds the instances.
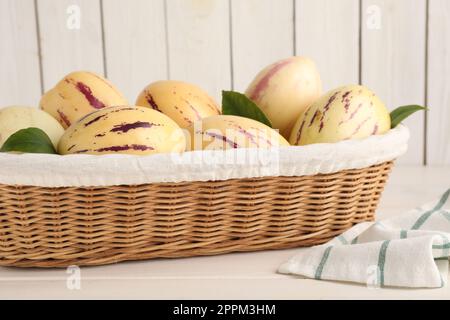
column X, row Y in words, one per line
column 107, row 170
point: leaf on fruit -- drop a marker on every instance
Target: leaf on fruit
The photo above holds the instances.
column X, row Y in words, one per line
column 237, row 104
column 30, row 140
column 403, row 112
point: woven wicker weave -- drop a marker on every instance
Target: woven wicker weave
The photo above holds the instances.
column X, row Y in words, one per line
column 56, row 227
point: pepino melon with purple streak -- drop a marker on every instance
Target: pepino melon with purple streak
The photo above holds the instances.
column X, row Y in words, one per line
column 123, row 130
column 78, row 94
column 284, row 90
column 181, row 101
column 223, row 132
column 345, row 113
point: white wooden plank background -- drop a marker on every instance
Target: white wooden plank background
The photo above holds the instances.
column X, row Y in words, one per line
column 135, row 44
column 393, row 62
column 328, row 32
column 19, row 60
column 262, row 34
column 199, row 43
column 63, row 49
column 438, row 137
column 218, row 44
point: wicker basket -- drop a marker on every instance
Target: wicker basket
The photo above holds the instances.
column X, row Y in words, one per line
column 57, row 227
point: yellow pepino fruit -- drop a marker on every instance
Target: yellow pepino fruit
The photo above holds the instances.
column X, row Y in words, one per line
column 181, row 101
column 15, row 118
column 223, row 132
column 124, row 129
column 78, row 94
column 285, row 89
column 349, row 112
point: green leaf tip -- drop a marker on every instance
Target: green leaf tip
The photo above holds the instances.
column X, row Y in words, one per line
column 237, row 104
column 403, row 112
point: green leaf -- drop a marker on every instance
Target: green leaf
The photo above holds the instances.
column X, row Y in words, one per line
column 30, row 140
column 403, row 112
column 237, row 104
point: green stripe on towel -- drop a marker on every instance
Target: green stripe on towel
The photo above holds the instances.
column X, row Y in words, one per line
column 342, row 239
column 445, row 250
column 355, row 241
column 427, row 214
column 441, row 246
column 403, row 234
column 382, row 261
column 322, row 263
column 446, row 215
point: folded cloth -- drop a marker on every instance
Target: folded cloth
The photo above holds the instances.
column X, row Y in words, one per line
column 409, row 250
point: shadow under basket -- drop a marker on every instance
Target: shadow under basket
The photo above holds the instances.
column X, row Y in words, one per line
column 58, row 227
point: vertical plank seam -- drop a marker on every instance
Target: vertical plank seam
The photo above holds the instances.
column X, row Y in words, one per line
column 294, row 27
column 39, row 47
column 360, row 39
column 427, row 47
column 230, row 36
column 102, row 25
column 166, row 31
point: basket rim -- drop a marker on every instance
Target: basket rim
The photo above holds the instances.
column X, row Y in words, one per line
column 44, row 170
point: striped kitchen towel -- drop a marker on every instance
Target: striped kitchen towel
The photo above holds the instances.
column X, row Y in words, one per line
column 409, row 250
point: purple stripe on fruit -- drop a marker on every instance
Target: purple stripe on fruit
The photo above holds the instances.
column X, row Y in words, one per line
column 152, row 102
column 326, row 108
column 299, row 132
column 82, row 151
column 314, row 117
column 87, row 92
column 356, row 111
column 233, row 144
column 130, row 126
column 249, row 136
column 352, row 114
column 264, row 134
column 375, row 129
column 197, row 114
column 64, row 118
column 359, row 126
column 264, row 82
column 94, row 120
column 345, row 95
column 137, row 147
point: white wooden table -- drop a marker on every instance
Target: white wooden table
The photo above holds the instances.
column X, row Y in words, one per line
column 232, row 276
